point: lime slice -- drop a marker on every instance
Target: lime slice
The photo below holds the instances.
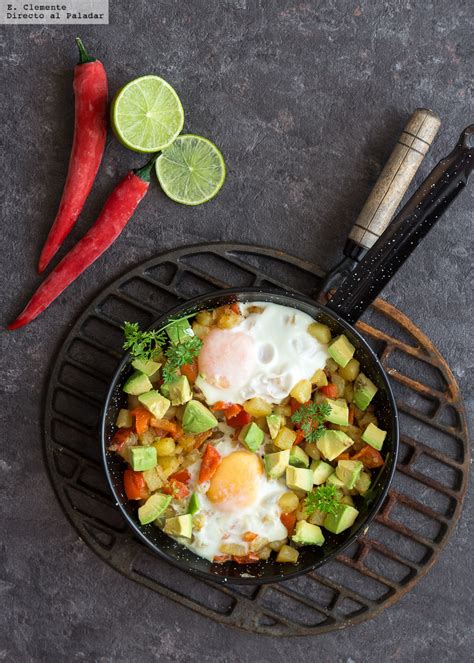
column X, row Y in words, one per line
column 191, row 170
column 147, row 114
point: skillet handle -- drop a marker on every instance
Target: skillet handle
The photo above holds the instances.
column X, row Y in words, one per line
column 406, row 231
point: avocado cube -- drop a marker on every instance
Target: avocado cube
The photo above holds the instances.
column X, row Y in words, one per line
column 274, row 424
column 147, row 367
column 334, row 480
column 307, row 534
column 197, row 418
column 363, row 483
column 179, row 526
column 153, row 508
column 155, row 403
column 124, row 419
column 143, row 458
column 194, row 504
column 374, row 436
column 285, row 438
column 341, row 350
column 319, row 378
column 299, row 478
column 339, row 413
column 276, row 463
column 348, row 471
column 251, row 436
column 298, row 458
column 341, row 518
column 364, row 391
column 332, row 443
column 138, row 383
column 179, row 391
column 180, row 331
column 321, row 471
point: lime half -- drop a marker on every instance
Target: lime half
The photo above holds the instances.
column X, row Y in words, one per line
column 147, row 114
column 191, row 170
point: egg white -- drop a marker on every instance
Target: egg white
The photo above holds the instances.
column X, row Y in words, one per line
column 285, row 354
column 262, row 517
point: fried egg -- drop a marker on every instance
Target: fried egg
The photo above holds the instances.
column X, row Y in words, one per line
column 264, row 356
column 239, row 498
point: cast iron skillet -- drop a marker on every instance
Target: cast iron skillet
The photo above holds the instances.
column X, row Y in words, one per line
column 345, row 307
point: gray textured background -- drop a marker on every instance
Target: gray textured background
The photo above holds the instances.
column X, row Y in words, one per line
column 305, row 100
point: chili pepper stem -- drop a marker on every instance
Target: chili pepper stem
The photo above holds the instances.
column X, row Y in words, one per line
column 84, row 56
column 144, row 173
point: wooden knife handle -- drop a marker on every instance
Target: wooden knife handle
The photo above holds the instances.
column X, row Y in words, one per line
column 395, row 178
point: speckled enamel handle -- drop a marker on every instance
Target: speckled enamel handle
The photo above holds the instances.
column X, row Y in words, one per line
column 395, row 178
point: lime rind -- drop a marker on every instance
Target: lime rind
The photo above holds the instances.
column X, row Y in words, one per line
column 147, row 114
column 191, row 171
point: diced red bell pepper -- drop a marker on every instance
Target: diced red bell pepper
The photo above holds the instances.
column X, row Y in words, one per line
column 119, row 439
column 142, row 419
column 176, row 489
column 135, row 485
column 289, row 521
column 170, row 427
column 369, row 456
column 343, row 456
column 294, row 405
column 209, row 464
column 239, row 420
column 351, row 415
column 221, row 559
column 249, row 558
column 181, row 475
column 235, row 308
column 191, row 371
column 201, row 438
column 220, row 406
column 299, row 437
column 330, row 390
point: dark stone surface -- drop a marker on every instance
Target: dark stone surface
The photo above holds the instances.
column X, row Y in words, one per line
column 305, row 100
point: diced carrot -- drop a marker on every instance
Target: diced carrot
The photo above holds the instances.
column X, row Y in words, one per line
column 142, row 419
column 201, row 438
column 369, row 456
column 249, row 536
column 289, row 521
column 209, row 464
column 170, row 427
column 299, row 437
column 249, row 558
column 177, row 489
column 135, row 485
column 330, row 390
column 181, row 475
column 221, row 559
column 119, row 439
column 191, row 371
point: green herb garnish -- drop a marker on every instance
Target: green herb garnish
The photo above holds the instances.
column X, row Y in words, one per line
column 310, row 417
column 322, row 498
column 142, row 344
column 180, row 354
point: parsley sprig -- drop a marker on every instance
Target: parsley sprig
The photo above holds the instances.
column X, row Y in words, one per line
column 310, row 418
column 178, row 355
column 322, row 498
column 142, row 344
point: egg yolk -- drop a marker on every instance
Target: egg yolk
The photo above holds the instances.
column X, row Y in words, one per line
column 226, row 358
column 234, row 486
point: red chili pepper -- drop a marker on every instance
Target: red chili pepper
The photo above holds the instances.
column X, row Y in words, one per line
column 116, row 212
column 330, row 390
column 177, row 489
column 209, row 464
column 241, row 419
column 90, row 90
column 135, row 485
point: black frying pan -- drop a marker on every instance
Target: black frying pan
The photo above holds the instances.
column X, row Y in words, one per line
column 345, row 307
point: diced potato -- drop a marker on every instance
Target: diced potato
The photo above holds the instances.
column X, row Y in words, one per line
column 288, row 502
column 201, row 331
column 301, row 392
column 347, row 499
column 228, row 320
column 152, row 479
column 191, row 458
column 317, row 518
column 233, row 549
column 257, row 407
column 257, row 544
column 205, row 318
column 368, row 418
column 168, row 464
column 133, row 402
column 350, row 370
column 349, row 392
column 265, row 552
column 276, row 545
column 285, row 438
column 187, row 442
column 320, row 332
column 199, row 520
column 287, row 554
column 319, row 378
column 340, row 383
column 331, row 365
column 146, row 438
column 312, row 450
column 301, row 513
column 283, row 410
column 124, row 419
column 165, row 446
